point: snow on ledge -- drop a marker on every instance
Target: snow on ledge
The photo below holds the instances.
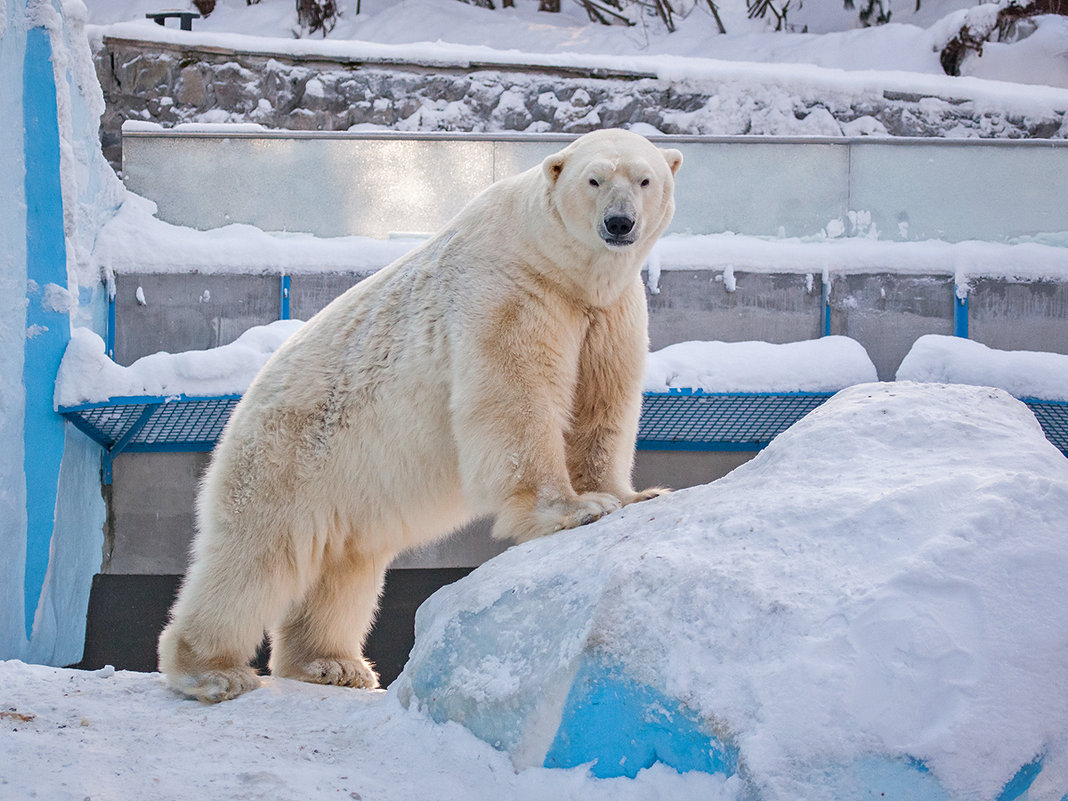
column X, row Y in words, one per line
column 136, row 241
column 817, row 365
column 953, row 360
column 87, row 375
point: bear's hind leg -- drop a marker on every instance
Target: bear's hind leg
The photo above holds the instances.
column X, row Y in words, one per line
column 321, row 639
column 218, row 621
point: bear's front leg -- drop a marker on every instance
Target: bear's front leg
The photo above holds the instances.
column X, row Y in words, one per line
column 321, row 639
column 607, row 406
column 511, row 408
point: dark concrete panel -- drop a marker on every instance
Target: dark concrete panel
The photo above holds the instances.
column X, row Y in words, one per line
column 190, row 311
column 701, row 305
column 681, row 469
column 310, row 293
column 1013, row 315
column 151, row 519
column 887, row 313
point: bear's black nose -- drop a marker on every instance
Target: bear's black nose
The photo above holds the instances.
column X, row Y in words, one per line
column 618, row 225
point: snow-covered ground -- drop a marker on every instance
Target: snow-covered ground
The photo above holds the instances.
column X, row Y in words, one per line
column 871, row 603
column 835, row 39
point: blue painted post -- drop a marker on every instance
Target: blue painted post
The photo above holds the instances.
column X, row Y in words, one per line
column 47, row 327
column 826, row 305
column 110, row 342
column 960, row 313
column 285, row 297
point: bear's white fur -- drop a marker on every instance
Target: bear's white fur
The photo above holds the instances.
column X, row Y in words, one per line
column 495, row 369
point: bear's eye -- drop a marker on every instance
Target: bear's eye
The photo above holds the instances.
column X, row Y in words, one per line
column 594, row 182
column 645, row 182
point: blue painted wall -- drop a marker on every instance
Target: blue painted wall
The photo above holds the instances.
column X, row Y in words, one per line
column 55, row 192
column 47, row 329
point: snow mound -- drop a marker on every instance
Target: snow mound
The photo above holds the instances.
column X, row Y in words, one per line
column 870, row 606
column 817, row 365
column 87, row 375
column 1023, row 373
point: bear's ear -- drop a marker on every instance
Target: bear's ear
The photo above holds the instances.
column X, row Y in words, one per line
column 553, row 166
column 673, row 158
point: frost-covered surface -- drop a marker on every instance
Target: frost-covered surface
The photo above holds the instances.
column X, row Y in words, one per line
column 87, row 374
column 1023, row 373
column 876, row 591
column 817, row 365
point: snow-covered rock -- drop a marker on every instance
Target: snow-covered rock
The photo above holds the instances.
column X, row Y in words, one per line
column 871, row 607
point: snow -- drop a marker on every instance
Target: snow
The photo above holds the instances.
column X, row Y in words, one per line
column 87, row 374
column 819, row 365
column 287, row 741
column 432, row 30
column 836, row 610
column 880, row 583
column 135, row 241
column 1023, row 373
column 851, row 598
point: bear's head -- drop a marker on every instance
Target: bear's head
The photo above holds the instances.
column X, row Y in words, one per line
column 613, row 189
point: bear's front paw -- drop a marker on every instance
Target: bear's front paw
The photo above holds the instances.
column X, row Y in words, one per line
column 587, row 507
column 646, row 494
column 336, row 670
column 520, row 524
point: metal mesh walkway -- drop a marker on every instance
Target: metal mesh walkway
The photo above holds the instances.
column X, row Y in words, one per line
column 142, row 424
column 1053, row 417
column 683, row 420
column 720, row 421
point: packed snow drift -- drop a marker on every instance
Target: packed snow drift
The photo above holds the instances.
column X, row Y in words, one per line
column 867, row 608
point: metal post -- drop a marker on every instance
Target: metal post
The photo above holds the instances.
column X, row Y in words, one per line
column 960, row 313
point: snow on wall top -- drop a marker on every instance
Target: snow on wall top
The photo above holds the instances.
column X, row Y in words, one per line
column 87, row 374
column 1023, row 373
column 136, row 241
column 817, row 365
column 826, row 365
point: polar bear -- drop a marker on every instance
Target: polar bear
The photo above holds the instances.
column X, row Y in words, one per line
column 496, row 369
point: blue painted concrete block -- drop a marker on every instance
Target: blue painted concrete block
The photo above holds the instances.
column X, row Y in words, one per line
column 622, row 726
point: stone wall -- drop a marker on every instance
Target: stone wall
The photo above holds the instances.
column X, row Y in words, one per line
column 170, row 84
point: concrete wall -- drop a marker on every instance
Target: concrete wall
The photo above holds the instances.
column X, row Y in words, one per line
column 376, row 184
column 151, row 522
